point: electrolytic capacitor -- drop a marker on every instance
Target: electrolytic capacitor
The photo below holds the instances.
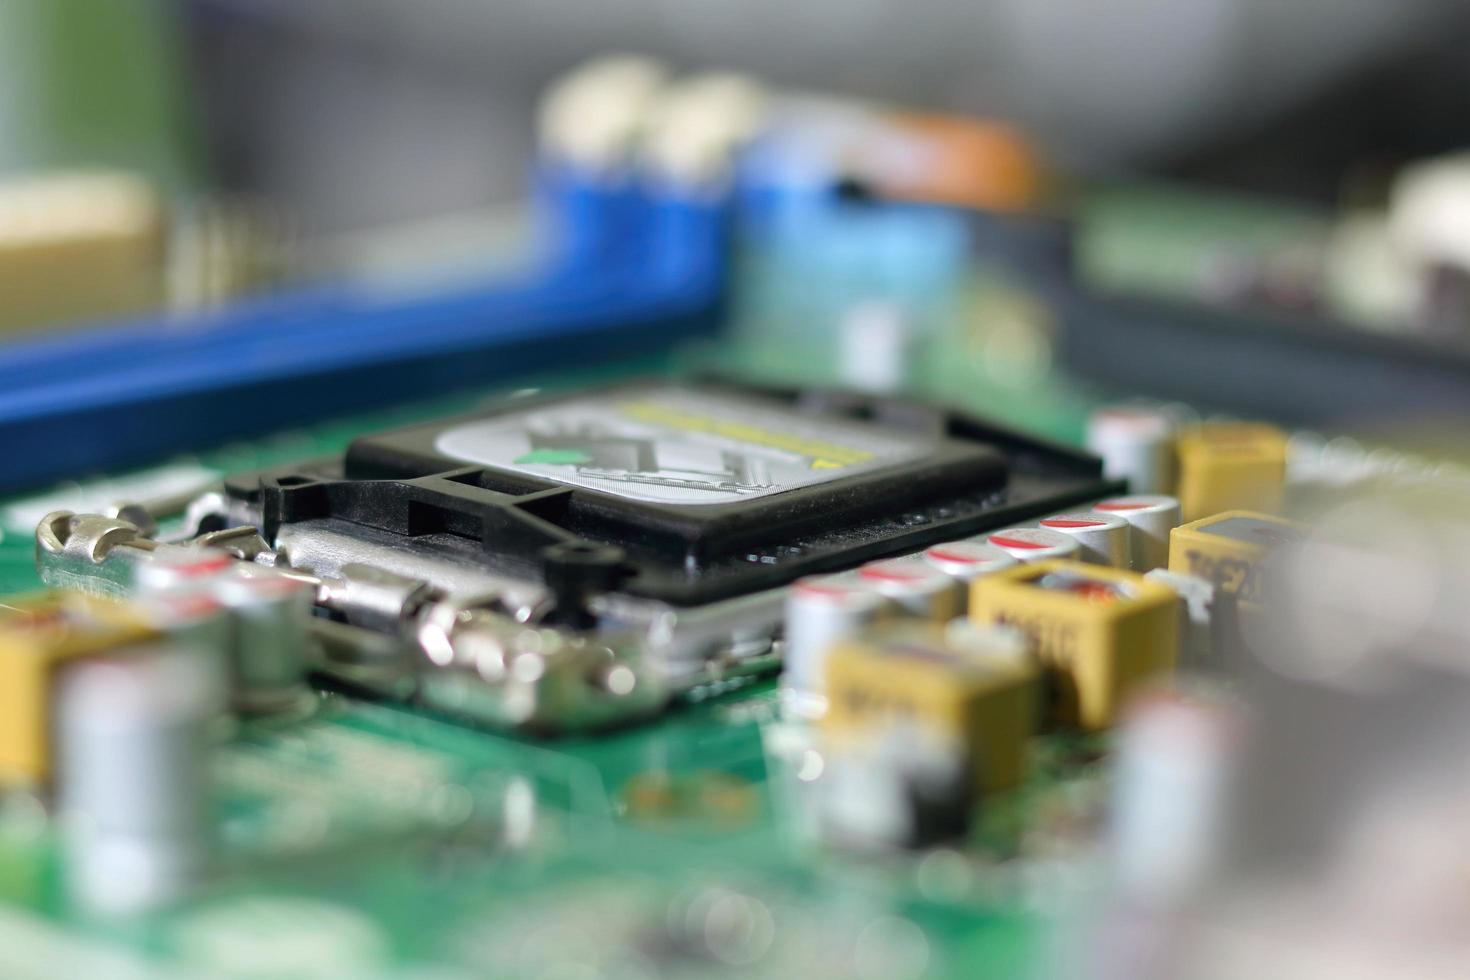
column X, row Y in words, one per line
column 875, row 343
column 1034, row 543
column 820, row 611
column 1101, row 537
column 965, row 561
column 171, row 568
column 1152, row 517
column 1176, row 762
column 196, row 620
column 173, row 590
column 915, row 586
column 133, row 778
column 272, row 645
column 1136, row 443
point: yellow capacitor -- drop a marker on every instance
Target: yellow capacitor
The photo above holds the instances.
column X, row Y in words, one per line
column 1226, row 549
column 969, row 691
column 39, row 635
column 1099, row 632
column 1230, row 466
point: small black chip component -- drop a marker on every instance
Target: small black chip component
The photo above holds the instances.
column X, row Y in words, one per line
column 711, row 490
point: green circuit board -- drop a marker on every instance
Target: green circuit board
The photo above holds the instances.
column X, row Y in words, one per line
column 376, row 840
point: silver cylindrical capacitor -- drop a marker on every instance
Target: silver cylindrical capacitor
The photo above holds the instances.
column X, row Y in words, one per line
column 915, row 587
column 173, row 588
column 1136, row 443
column 820, row 611
column 1152, row 517
column 1176, row 760
column 1034, row 543
column 966, row 561
column 171, row 568
column 271, row 644
column 198, row 621
column 133, row 779
column 875, row 346
column 1102, row 538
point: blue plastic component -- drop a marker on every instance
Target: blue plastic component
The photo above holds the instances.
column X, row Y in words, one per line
column 630, row 268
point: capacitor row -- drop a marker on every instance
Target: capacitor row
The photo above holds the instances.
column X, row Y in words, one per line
column 1123, row 532
column 929, row 674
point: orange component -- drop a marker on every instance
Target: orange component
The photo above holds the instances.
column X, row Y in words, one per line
column 964, row 161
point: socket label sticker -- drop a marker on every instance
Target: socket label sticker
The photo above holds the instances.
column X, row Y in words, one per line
column 673, row 445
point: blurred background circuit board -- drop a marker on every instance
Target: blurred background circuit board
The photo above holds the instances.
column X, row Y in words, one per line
column 883, row 490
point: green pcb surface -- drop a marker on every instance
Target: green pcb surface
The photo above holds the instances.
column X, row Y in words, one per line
column 373, row 840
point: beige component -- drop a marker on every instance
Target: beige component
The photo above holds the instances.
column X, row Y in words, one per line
column 78, row 246
column 595, row 115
